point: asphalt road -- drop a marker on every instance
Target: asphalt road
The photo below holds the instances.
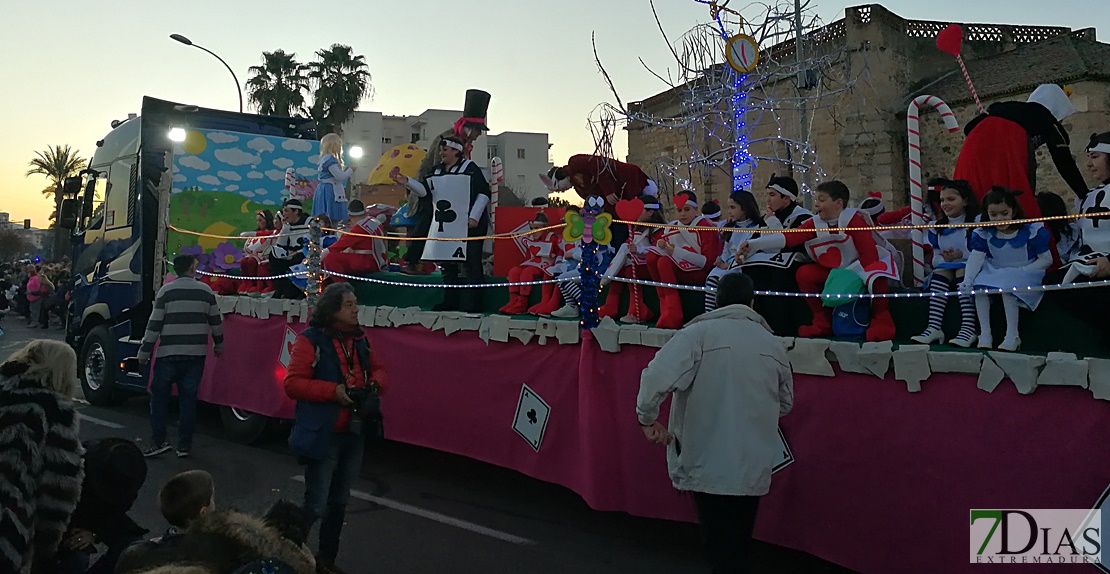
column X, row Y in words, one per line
column 419, row 510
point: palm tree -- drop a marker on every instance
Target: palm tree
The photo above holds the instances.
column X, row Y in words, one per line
column 56, row 163
column 277, row 87
column 342, row 81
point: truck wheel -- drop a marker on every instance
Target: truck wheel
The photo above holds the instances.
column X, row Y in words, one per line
column 244, row 426
column 99, row 368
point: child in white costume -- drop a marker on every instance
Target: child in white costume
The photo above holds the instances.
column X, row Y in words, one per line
column 1005, row 257
column 743, row 216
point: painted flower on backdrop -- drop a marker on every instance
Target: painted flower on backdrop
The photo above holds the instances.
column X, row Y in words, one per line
column 204, row 260
column 226, row 256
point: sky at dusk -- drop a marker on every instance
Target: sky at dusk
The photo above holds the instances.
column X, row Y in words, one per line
column 72, row 67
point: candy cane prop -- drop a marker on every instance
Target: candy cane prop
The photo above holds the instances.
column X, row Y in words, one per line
column 917, row 188
column 950, row 40
column 497, row 175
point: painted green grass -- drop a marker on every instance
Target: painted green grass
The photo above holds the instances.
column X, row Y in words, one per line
column 213, row 212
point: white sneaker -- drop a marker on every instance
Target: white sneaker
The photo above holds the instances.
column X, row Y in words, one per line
column 929, row 337
column 1010, row 344
column 986, row 342
column 631, row 320
column 566, row 312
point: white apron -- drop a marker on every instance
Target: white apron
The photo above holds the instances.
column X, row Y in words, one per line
column 1001, row 270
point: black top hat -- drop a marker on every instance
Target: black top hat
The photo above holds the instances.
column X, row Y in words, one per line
column 477, row 104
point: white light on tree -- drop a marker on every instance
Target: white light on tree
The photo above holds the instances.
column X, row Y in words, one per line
column 355, row 152
column 177, row 134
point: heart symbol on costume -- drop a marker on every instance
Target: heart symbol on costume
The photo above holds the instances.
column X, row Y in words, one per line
column 680, row 200
column 830, row 259
column 630, row 209
column 951, row 39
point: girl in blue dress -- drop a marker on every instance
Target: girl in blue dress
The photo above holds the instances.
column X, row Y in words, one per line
column 950, row 252
column 330, row 198
column 1005, row 257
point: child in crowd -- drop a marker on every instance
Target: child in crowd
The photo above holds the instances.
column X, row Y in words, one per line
column 950, row 252
column 682, row 256
column 743, row 216
column 631, row 262
column 1004, row 257
column 185, row 498
column 542, row 249
column 256, row 254
column 864, row 253
column 1065, row 232
column 330, row 199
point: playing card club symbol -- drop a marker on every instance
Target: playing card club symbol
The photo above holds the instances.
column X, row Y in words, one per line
column 532, row 416
column 444, row 213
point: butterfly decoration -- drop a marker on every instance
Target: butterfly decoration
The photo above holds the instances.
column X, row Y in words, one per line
column 591, row 225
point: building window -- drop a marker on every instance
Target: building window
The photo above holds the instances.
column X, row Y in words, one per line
column 520, row 153
column 492, row 151
column 387, row 140
column 415, row 138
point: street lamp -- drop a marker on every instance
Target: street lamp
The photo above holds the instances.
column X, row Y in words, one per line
column 188, row 42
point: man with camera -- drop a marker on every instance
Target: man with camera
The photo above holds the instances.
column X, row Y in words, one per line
column 336, row 379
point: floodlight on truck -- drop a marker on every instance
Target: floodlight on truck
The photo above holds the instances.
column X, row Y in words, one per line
column 177, row 134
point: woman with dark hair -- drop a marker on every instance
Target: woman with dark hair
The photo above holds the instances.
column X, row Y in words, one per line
column 957, row 204
column 335, row 378
column 256, row 254
column 1006, row 257
column 40, row 455
column 743, row 215
column 1065, row 232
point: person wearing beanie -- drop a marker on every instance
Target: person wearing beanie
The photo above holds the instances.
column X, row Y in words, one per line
column 540, row 250
column 354, row 253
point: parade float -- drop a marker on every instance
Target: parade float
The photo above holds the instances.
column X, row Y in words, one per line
column 889, row 445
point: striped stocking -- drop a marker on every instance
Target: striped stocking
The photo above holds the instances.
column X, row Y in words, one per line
column 940, row 284
column 572, row 291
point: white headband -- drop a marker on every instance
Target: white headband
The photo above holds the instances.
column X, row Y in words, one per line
column 690, row 202
column 782, row 190
column 451, row 144
column 654, row 206
column 714, row 215
column 359, row 212
column 1102, row 147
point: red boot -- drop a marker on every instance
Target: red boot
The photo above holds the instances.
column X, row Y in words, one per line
column 550, row 301
column 822, row 320
column 518, row 305
column 612, row 304
column 882, row 324
column 512, row 299
column 670, row 309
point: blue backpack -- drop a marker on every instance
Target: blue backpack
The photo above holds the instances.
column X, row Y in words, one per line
column 850, row 320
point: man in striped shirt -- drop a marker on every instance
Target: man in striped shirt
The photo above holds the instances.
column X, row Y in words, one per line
column 184, row 312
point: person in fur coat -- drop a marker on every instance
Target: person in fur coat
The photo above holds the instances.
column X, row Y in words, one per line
column 40, row 455
column 227, row 542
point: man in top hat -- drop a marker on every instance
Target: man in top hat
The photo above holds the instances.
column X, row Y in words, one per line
column 467, row 129
column 598, row 175
column 353, row 253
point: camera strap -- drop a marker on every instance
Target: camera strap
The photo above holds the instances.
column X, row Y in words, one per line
column 350, row 356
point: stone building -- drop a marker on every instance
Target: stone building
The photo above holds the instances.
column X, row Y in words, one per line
column 880, row 63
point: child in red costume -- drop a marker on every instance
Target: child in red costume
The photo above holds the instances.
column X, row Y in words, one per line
column 863, row 252
column 630, row 262
column 543, row 249
column 353, row 253
column 683, row 257
column 256, row 254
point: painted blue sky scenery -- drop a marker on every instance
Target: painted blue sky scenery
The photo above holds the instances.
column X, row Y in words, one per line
column 248, row 165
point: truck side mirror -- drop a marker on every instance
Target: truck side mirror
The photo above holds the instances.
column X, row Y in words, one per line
column 67, row 215
column 72, row 186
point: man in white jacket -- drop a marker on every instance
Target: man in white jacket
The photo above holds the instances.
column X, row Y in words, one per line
column 731, row 381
